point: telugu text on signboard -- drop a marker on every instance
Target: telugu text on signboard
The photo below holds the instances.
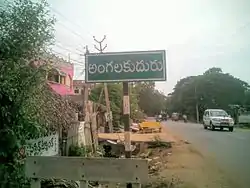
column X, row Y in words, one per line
column 44, row 146
column 126, row 66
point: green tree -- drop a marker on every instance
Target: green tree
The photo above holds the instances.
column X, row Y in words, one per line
column 247, row 98
column 151, row 101
column 213, row 70
column 26, row 29
column 136, row 112
column 115, row 97
column 213, row 89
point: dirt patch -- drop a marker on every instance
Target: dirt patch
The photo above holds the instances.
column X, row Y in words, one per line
column 195, row 169
column 176, row 164
column 182, row 166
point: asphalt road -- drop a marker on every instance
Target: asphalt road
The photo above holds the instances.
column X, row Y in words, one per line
column 230, row 150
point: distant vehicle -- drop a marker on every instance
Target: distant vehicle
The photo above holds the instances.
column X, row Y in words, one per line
column 217, row 118
column 175, row 117
column 244, row 118
column 159, row 118
column 184, row 117
column 164, row 117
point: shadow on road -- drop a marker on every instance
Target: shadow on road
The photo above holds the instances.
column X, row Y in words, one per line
column 217, row 130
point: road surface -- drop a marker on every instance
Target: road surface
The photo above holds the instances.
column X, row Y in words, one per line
column 230, row 150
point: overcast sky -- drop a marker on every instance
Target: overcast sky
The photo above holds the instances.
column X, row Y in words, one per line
column 197, row 34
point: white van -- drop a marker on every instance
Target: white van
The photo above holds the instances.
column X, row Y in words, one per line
column 217, row 118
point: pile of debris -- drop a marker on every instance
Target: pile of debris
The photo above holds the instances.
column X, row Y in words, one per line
column 157, row 155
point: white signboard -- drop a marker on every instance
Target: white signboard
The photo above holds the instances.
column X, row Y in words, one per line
column 44, row 146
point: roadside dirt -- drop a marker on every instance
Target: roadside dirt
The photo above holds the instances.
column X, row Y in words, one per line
column 179, row 166
column 182, row 166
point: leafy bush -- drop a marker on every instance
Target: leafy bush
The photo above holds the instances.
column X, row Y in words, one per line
column 21, row 86
column 75, row 150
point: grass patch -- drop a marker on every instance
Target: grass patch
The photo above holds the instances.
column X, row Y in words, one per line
column 158, row 143
column 245, row 127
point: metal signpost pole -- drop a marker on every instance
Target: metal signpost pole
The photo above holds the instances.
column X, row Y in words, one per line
column 126, row 121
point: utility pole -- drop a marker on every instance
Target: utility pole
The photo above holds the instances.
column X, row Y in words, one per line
column 87, row 118
column 86, row 93
column 196, row 105
column 101, row 49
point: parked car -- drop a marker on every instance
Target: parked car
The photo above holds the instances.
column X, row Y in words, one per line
column 217, row 118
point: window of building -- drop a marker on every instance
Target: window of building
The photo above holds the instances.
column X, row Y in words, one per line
column 77, row 91
column 54, row 76
column 57, row 76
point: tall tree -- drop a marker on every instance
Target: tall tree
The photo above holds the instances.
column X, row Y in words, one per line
column 26, row 29
column 115, row 97
column 151, row 101
column 213, row 89
column 213, row 70
column 247, row 99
